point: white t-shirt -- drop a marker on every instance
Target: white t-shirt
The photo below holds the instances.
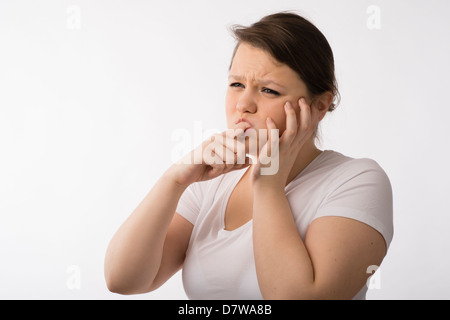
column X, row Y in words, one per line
column 220, row 264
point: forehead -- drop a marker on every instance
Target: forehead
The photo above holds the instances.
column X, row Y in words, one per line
column 253, row 62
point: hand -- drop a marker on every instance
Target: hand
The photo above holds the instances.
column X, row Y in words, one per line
column 219, row 154
column 289, row 144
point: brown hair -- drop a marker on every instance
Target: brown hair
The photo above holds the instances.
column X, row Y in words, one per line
column 296, row 42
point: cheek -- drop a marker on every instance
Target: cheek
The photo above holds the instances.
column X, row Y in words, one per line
column 278, row 115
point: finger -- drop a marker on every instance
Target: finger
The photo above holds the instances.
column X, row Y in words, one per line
column 214, row 161
column 213, row 151
column 235, row 140
column 232, row 133
column 291, row 122
column 209, row 155
column 225, row 153
column 305, row 112
column 219, row 153
column 235, row 149
column 246, row 163
column 271, row 126
column 230, row 156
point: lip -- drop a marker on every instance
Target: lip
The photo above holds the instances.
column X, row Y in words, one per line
column 243, row 124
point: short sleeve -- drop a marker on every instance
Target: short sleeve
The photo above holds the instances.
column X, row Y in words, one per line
column 365, row 194
column 190, row 202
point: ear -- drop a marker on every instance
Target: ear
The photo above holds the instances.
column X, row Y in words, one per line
column 322, row 103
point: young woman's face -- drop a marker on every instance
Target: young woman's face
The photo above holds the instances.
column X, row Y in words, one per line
column 259, row 87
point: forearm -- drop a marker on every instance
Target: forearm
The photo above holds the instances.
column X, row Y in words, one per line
column 283, row 265
column 134, row 255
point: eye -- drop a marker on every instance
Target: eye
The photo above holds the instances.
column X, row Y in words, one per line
column 236, row 85
column 270, row 91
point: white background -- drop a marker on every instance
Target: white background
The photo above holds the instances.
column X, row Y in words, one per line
column 91, row 93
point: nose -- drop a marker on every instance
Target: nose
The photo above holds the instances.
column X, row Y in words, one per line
column 247, row 102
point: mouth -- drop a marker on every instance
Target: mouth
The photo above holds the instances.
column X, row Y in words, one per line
column 243, row 124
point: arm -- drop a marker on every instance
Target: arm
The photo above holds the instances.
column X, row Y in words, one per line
column 135, row 253
column 330, row 264
column 151, row 244
column 332, row 261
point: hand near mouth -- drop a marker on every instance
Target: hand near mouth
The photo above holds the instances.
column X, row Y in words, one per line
column 288, row 145
column 219, row 154
column 243, row 124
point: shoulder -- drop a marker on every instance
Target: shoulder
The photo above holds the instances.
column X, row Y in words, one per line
column 360, row 189
column 344, row 168
column 334, row 158
column 355, row 178
column 331, row 170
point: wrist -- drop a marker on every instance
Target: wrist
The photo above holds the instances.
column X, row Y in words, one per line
column 170, row 176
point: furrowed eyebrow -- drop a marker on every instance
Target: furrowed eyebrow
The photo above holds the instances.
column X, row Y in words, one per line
column 261, row 81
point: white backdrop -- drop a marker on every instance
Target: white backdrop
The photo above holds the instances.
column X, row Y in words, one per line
column 93, row 95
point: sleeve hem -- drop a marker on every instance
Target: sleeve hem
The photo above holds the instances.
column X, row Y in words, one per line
column 191, row 217
column 361, row 216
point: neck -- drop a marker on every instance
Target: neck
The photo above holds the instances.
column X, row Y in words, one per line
column 306, row 155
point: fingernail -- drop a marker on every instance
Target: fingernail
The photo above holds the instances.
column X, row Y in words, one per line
column 288, row 105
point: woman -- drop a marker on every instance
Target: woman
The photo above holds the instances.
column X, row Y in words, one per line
column 309, row 230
